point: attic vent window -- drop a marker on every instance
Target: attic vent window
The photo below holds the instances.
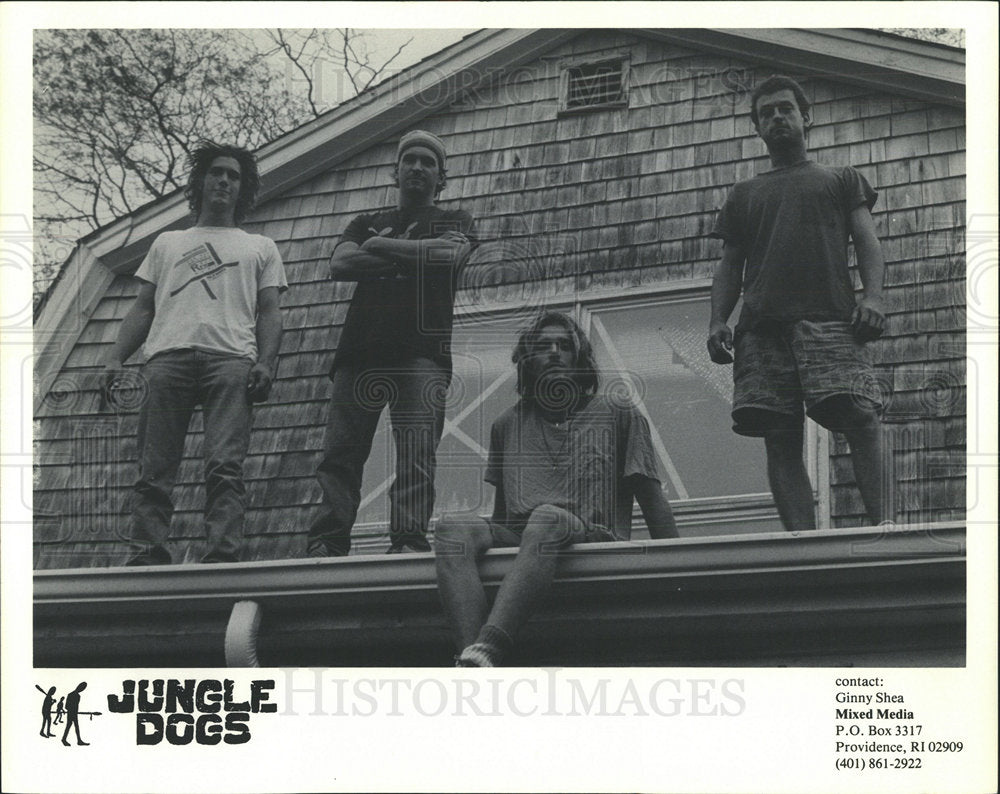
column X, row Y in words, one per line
column 594, row 85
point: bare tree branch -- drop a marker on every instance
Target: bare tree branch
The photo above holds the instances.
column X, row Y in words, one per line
column 116, row 112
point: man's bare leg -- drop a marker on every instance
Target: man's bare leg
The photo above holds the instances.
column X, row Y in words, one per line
column 865, row 441
column 786, row 472
column 459, row 544
column 549, row 531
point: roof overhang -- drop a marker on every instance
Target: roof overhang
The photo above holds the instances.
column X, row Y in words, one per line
column 880, row 61
column 722, row 600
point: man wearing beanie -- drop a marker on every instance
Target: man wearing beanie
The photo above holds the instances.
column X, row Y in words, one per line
column 393, row 350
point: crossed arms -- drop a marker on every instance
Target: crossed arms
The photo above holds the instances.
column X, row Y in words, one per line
column 385, row 257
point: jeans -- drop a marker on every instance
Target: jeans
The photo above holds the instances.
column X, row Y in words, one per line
column 415, row 393
column 178, row 381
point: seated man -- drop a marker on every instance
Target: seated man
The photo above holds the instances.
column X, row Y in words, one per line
column 566, row 463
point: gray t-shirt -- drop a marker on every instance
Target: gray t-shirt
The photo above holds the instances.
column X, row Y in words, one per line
column 579, row 466
column 794, row 225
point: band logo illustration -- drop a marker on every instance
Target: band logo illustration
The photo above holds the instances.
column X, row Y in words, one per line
column 68, row 706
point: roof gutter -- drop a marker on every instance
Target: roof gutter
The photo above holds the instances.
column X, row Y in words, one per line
column 863, row 577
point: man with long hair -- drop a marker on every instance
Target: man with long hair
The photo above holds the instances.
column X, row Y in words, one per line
column 567, row 462
column 394, row 350
column 208, row 318
column 801, row 335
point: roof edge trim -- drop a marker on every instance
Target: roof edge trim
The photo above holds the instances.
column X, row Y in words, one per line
column 173, row 589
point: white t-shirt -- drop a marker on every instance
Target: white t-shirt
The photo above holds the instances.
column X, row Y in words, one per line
column 207, row 279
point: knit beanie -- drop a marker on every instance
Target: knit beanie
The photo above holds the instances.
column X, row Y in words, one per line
column 422, row 138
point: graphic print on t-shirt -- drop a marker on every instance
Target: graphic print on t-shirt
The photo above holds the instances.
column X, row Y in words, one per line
column 388, row 231
column 206, row 265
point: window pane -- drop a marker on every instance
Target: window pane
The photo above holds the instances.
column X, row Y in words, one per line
column 483, row 387
column 379, row 471
column 661, row 350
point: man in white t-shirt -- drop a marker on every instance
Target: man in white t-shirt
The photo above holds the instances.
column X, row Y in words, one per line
column 208, row 318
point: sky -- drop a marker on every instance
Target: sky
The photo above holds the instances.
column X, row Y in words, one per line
column 422, row 44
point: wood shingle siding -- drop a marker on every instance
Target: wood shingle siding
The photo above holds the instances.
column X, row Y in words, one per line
column 611, row 201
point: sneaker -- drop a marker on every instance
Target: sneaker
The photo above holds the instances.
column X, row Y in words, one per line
column 148, row 558
column 404, row 549
column 475, row 655
column 319, row 551
column 411, row 545
column 215, row 556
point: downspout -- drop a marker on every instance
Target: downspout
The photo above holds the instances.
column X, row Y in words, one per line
column 241, row 635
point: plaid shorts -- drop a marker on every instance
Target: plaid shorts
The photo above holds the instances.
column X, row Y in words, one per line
column 780, row 366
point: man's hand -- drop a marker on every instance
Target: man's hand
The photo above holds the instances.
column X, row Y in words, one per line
column 259, row 383
column 454, row 236
column 113, row 373
column 868, row 320
column 720, row 343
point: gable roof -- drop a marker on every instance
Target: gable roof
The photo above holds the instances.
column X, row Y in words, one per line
column 931, row 72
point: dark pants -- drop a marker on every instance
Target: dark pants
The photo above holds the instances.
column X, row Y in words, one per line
column 178, row 381
column 415, row 393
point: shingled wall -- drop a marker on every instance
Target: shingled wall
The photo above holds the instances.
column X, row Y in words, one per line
column 611, row 200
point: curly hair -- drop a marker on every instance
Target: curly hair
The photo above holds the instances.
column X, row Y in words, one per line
column 777, row 82
column 200, row 160
column 584, row 370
